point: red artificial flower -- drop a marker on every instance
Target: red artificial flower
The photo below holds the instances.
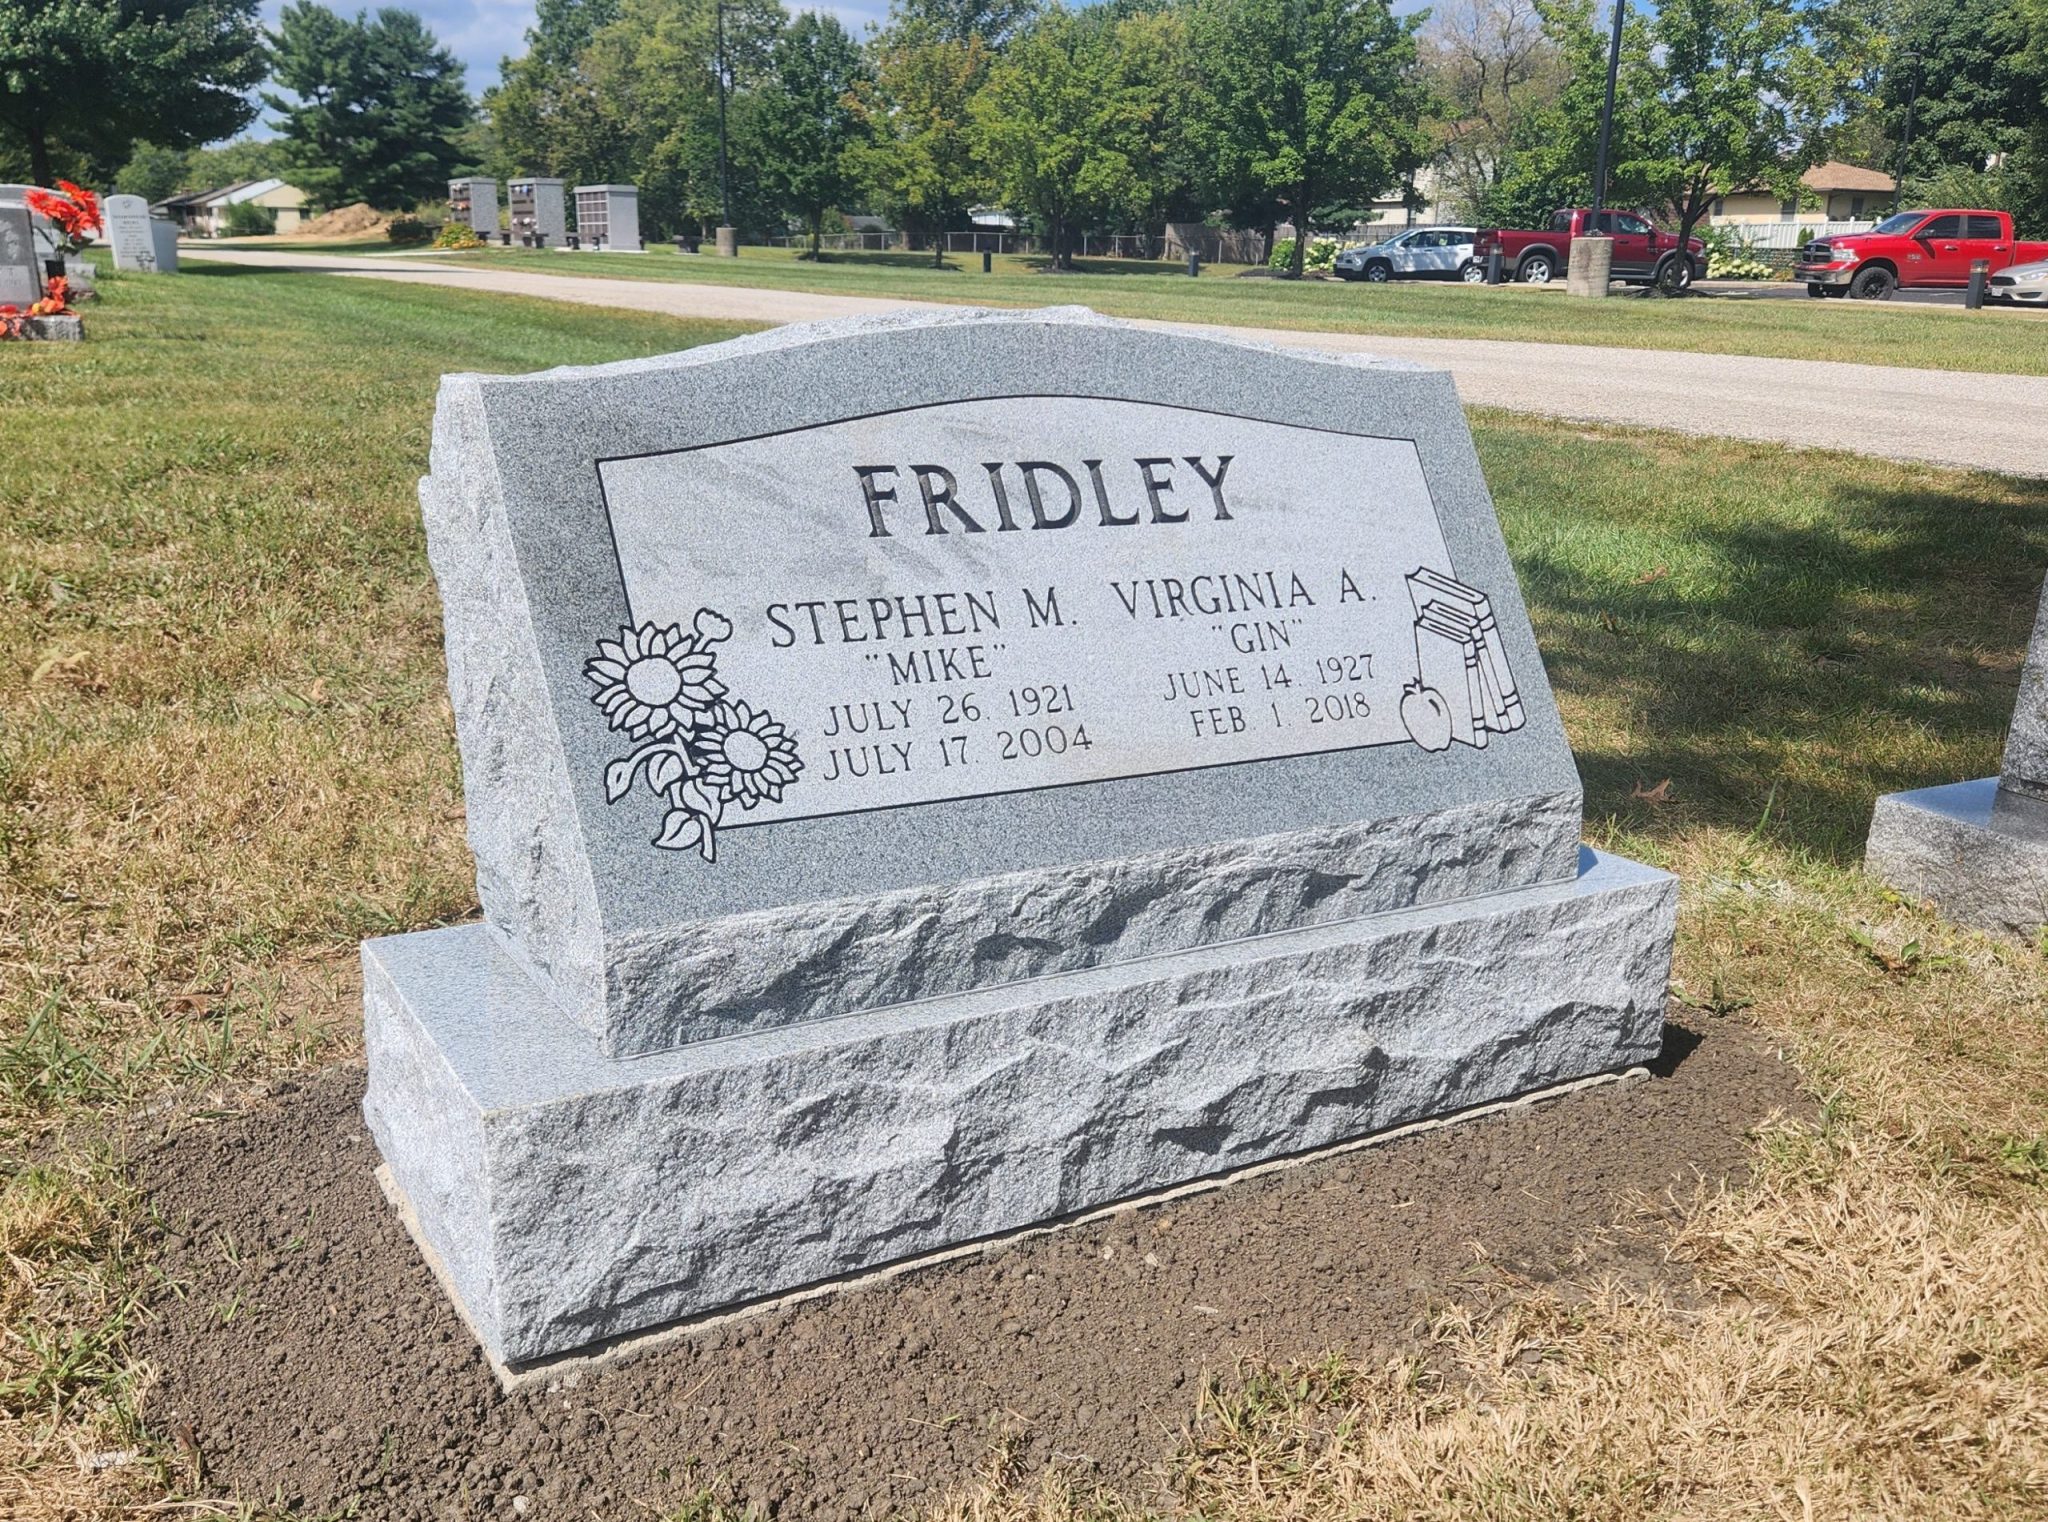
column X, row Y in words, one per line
column 76, row 212
column 56, row 300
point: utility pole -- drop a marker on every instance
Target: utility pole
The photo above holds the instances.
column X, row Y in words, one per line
column 1906, row 138
column 1607, row 113
column 728, row 238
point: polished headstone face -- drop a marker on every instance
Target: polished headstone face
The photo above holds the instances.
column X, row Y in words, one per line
column 2025, row 769
column 822, row 671
column 21, row 271
column 128, row 231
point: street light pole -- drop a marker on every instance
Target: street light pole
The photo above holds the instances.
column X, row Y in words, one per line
column 1607, row 114
column 1906, row 138
column 728, row 240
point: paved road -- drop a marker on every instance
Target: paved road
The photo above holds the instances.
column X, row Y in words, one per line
column 1990, row 422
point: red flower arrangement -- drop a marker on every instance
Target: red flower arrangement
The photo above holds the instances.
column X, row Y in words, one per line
column 56, row 302
column 74, row 210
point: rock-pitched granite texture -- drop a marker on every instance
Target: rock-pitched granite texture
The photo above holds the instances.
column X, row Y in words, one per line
column 1979, row 849
column 821, row 915
column 574, row 1197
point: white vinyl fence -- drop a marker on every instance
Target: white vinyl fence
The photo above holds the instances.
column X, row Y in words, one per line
column 1788, row 235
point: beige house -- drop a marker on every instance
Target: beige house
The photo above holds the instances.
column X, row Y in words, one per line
column 1835, row 192
column 203, row 213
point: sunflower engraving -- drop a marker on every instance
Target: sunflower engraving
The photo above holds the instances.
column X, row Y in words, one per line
column 701, row 753
column 745, row 756
column 652, row 682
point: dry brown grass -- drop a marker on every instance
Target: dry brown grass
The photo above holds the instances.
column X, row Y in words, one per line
column 224, row 757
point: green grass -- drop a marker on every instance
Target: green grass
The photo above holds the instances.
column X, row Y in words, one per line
column 226, row 755
column 1927, row 337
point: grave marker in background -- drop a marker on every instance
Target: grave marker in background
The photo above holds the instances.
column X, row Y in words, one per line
column 21, row 266
column 930, row 776
column 127, row 226
column 1979, row 849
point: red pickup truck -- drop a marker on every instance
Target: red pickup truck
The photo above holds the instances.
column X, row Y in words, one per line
column 1911, row 248
column 1642, row 255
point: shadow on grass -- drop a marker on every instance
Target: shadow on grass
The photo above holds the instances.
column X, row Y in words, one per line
column 1791, row 672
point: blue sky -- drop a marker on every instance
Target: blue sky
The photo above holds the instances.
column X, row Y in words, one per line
column 483, row 31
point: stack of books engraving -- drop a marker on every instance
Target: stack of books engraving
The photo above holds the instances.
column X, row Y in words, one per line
column 1457, row 652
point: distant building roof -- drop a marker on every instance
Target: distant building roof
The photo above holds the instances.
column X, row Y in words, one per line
column 1835, row 175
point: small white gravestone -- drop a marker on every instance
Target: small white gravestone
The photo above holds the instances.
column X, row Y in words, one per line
column 126, row 220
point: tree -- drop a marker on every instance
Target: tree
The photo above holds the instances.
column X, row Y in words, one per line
column 652, row 88
column 994, row 22
column 1491, row 64
column 1065, row 124
column 375, row 107
column 154, row 172
column 544, row 111
column 805, row 121
column 1738, row 100
column 86, row 78
column 916, row 155
column 1552, row 150
column 1309, row 101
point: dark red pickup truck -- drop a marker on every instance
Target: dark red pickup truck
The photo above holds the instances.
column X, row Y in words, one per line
column 1642, row 255
column 1911, row 248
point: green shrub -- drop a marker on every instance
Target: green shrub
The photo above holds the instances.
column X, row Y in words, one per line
column 1320, row 259
column 245, row 219
column 408, row 231
column 1730, row 256
column 457, row 235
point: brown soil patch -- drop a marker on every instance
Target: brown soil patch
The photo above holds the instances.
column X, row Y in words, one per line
column 314, row 1359
column 343, row 222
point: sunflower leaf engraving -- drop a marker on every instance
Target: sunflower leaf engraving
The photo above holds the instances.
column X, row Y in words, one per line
column 700, row 750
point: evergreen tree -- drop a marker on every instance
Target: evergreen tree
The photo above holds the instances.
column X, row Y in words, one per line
column 375, row 108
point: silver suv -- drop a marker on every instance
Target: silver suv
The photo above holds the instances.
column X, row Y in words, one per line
column 1421, row 253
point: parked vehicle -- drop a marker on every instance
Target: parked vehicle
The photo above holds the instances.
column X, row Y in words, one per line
column 1912, row 250
column 2023, row 282
column 1642, row 254
column 1422, row 253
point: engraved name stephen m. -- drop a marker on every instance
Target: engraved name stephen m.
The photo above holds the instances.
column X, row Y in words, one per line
column 1051, row 495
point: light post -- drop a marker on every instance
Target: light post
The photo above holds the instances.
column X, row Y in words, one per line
column 1591, row 264
column 728, row 237
column 1906, row 137
column 1607, row 112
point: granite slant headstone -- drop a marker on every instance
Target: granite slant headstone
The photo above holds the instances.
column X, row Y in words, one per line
column 163, row 234
column 1979, row 850
column 932, row 775
column 128, row 233
column 21, row 267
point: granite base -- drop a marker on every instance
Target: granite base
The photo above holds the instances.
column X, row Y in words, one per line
column 572, row 1198
column 1978, row 851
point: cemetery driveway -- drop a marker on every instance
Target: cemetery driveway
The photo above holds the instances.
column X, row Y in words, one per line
column 1975, row 421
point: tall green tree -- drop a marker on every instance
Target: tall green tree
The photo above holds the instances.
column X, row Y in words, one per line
column 82, row 80
column 806, row 122
column 545, row 112
column 1066, row 123
column 916, row 156
column 1309, row 101
column 993, row 22
column 653, row 82
column 374, row 109
column 1741, row 98
column 1551, row 151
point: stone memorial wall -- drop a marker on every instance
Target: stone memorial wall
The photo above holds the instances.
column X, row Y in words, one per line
column 929, row 776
